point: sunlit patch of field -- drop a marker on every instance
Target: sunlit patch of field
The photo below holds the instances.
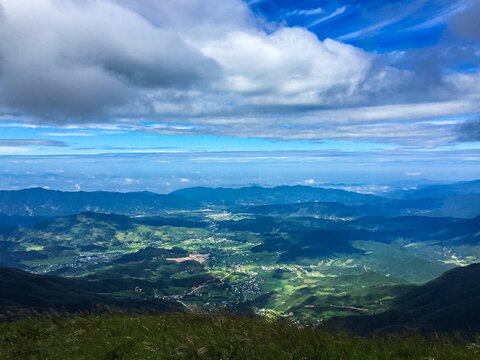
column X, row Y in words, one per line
column 201, row 258
column 34, row 248
column 223, row 216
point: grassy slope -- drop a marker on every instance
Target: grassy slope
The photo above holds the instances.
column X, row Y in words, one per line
column 180, row 336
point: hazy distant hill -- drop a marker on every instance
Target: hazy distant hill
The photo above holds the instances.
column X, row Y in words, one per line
column 417, row 228
column 302, row 200
column 256, row 195
column 42, row 202
column 463, row 206
column 24, row 207
column 321, row 209
column 438, row 191
column 466, row 206
column 450, row 302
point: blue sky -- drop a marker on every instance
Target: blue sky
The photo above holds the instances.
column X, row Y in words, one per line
column 155, row 95
column 380, row 26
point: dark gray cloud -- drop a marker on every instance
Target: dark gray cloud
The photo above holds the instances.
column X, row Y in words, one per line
column 469, row 131
column 467, row 22
column 29, row 142
column 68, row 59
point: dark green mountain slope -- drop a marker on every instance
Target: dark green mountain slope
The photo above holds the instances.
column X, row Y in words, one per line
column 42, row 202
column 20, row 289
column 149, row 270
column 7, row 221
column 308, row 246
column 64, row 236
column 74, row 242
column 450, row 302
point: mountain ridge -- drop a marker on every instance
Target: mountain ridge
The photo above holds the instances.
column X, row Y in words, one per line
column 44, row 202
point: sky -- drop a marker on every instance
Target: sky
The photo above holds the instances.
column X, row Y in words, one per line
column 156, row 95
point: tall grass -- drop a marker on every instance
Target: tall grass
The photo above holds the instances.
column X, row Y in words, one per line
column 187, row 336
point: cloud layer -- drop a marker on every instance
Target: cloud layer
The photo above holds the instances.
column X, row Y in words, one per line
column 213, row 67
column 29, row 142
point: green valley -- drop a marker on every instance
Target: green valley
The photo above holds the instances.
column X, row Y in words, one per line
column 295, row 261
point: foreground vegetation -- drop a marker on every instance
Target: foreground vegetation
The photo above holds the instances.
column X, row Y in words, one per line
column 187, row 336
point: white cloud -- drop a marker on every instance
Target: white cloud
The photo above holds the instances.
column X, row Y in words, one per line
column 337, row 12
column 289, row 62
column 7, row 150
column 306, row 12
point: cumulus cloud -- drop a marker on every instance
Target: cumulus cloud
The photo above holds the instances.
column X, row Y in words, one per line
column 291, row 61
column 212, row 67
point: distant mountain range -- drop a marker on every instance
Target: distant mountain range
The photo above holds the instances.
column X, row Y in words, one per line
column 256, row 195
column 42, row 202
column 23, row 207
column 439, row 191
